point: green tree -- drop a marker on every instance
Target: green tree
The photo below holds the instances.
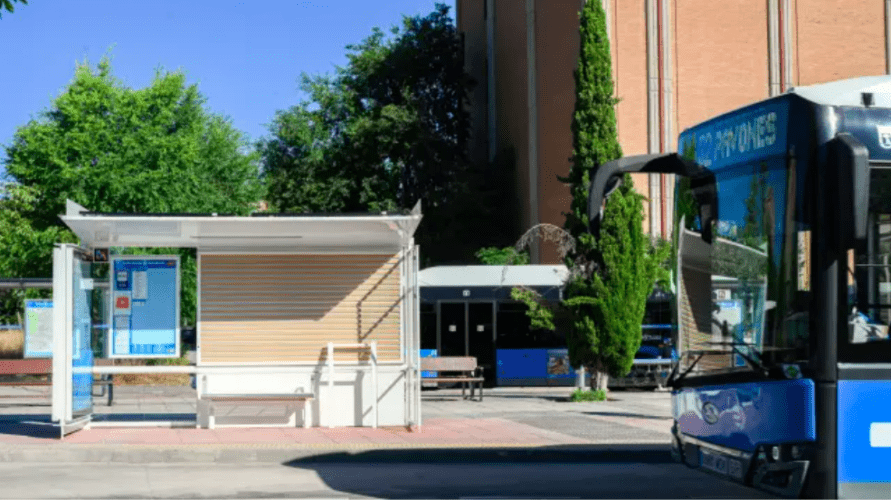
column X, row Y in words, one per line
column 23, row 249
column 8, row 5
column 383, row 132
column 494, row 256
column 613, row 272
column 116, row 149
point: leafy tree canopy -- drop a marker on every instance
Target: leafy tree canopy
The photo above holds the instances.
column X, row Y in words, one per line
column 494, row 256
column 8, row 5
column 382, row 133
column 116, row 149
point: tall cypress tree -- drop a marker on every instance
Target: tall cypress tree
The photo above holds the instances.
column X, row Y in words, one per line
column 614, row 271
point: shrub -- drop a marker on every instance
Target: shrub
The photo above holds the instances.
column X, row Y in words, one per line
column 580, row 395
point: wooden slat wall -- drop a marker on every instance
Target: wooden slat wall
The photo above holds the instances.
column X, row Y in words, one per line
column 286, row 308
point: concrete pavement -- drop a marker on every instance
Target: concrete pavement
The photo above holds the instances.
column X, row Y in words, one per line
column 517, row 443
column 506, row 418
column 365, row 480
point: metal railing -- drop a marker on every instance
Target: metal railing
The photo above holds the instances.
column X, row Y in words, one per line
column 372, row 347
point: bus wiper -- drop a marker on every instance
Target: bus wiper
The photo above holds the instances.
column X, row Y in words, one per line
column 673, row 378
column 757, row 366
column 754, row 364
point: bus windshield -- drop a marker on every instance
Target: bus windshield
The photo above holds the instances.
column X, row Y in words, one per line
column 740, row 295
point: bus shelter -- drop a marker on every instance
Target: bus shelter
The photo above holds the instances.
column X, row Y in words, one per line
column 318, row 304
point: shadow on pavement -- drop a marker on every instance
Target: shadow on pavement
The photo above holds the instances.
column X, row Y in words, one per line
column 566, row 471
column 41, row 426
column 36, row 426
column 631, row 453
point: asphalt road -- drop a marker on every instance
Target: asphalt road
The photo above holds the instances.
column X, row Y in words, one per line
column 366, row 479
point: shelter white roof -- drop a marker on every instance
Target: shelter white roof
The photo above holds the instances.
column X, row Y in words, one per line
column 326, row 233
column 493, row 276
column 849, row 92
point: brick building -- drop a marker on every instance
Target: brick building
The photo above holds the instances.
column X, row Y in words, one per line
column 675, row 64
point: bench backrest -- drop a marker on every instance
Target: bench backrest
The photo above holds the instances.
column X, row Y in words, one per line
column 449, row 363
column 39, row 366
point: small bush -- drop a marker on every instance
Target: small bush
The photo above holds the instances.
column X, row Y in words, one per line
column 580, row 395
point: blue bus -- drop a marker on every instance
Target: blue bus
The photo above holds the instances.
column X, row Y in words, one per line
column 782, row 263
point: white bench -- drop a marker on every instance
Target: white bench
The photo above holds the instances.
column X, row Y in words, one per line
column 207, row 402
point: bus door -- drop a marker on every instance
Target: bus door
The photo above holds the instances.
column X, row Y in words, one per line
column 864, row 355
column 453, row 329
column 481, row 337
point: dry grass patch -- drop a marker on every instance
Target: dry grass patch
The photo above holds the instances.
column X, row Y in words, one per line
column 153, row 378
column 12, row 344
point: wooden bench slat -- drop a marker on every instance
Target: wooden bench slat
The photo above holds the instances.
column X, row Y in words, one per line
column 26, row 366
column 449, row 363
column 461, row 369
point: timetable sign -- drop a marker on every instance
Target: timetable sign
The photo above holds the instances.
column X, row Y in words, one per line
column 145, row 302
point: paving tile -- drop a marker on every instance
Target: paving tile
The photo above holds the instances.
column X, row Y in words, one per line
column 305, row 436
column 249, row 435
column 345, row 435
column 197, row 436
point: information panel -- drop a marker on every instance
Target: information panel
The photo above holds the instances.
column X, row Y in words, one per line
column 38, row 328
column 145, row 307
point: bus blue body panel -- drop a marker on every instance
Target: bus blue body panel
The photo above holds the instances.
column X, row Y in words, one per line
column 519, row 367
column 743, row 416
column 864, row 432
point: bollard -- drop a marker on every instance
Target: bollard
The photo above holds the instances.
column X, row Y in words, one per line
column 580, row 378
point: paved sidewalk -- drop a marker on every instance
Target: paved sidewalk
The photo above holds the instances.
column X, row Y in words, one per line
column 532, row 419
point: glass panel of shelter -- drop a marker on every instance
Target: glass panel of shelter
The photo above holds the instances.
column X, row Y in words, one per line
column 82, row 328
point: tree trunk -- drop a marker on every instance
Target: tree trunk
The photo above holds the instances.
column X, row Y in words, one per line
column 599, row 377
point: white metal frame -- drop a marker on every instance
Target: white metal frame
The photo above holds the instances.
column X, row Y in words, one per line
column 416, row 324
column 63, row 342
column 177, row 310
column 372, row 347
column 198, row 254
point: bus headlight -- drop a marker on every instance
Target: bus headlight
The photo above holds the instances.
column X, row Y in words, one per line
column 795, row 452
column 775, row 453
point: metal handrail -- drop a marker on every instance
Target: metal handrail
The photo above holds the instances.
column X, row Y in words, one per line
column 372, row 346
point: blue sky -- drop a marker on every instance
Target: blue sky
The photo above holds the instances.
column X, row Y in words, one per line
column 246, row 57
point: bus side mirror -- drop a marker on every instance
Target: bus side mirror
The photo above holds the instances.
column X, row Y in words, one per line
column 851, row 159
column 705, row 191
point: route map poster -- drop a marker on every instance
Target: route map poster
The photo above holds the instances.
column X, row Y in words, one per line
column 38, row 328
column 145, row 293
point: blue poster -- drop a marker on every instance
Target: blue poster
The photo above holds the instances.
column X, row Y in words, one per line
column 428, row 353
column 145, row 307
